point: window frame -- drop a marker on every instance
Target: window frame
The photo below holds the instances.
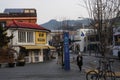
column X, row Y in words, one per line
column 25, row 36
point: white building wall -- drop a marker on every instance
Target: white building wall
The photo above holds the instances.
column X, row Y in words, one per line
column 15, row 38
column 14, row 41
column 31, row 57
column 116, row 48
column 81, row 35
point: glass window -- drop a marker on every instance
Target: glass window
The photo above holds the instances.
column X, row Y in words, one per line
column 36, row 52
column 36, row 59
column 29, row 36
column 117, row 40
column 21, row 36
column 25, row 36
column 32, row 11
column 26, row 11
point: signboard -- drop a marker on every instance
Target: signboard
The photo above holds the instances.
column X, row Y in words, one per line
column 40, row 37
column 82, row 34
column 66, row 51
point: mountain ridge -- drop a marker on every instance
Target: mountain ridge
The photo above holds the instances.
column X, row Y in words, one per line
column 53, row 24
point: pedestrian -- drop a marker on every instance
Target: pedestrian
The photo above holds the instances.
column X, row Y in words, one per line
column 77, row 48
column 79, row 61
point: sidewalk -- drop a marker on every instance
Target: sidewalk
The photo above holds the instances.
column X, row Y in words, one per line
column 91, row 62
column 50, row 70
column 94, row 60
column 58, row 73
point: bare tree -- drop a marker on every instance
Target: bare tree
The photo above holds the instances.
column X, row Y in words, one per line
column 104, row 14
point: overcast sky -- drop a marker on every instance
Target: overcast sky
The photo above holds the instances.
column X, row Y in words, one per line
column 49, row 9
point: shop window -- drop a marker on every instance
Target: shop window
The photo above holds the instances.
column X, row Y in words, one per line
column 27, row 54
column 36, row 59
column 36, row 52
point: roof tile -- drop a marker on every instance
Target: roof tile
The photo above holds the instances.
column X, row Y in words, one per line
column 16, row 24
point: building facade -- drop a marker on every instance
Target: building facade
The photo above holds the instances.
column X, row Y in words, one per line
column 87, row 39
column 21, row 15
column 21, row 23
column 33, row 38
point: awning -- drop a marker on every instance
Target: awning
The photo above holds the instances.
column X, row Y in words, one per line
column 38, row 47
column 52, row 47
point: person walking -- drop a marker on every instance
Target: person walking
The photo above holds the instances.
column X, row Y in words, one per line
column 79, row 61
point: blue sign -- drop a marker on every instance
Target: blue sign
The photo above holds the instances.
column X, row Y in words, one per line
column 66, row 51
column 82, row 34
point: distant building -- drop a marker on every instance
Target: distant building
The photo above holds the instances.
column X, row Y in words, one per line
column 116, row 41
column 87, row 39
column 21, row 15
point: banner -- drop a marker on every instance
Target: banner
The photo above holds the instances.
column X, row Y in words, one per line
column 66, row 51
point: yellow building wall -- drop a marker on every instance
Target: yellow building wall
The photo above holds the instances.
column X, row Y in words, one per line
column 40, row 37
